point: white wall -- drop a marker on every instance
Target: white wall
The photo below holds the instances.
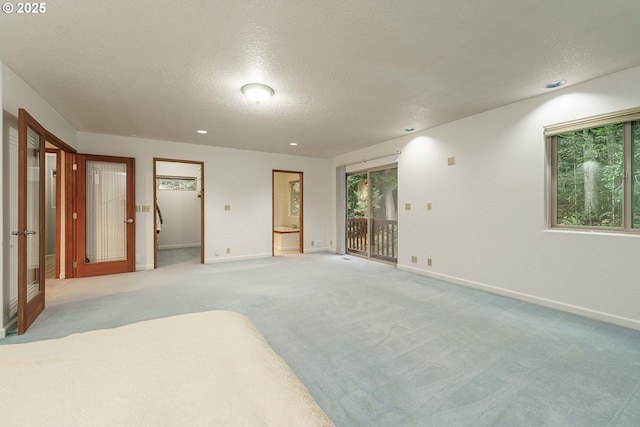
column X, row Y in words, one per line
column 239, row 178
column 17, row 94
column 180, row 209
column 487, row 225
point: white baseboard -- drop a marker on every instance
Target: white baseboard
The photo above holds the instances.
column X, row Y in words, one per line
column 180, row 246
column 286, row 248
column 220, row 259
column 569, row 308
column 7, row 327
column 142, row 267
column 316, row 249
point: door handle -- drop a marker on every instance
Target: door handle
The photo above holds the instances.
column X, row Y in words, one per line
column 129, row 221
column 25, row 232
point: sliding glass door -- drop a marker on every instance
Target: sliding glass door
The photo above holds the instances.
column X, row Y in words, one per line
column 372, row 213
column 358, row 213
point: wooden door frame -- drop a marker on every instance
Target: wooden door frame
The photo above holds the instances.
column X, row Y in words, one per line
column 28, row 311
column 155, row 202
column 128, row 265
column 67, row 177
column 301, row 215
column 24, row 118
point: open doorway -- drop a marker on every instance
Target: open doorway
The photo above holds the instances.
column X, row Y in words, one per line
column 52, row 212
column 179, row 211
column 287, row 213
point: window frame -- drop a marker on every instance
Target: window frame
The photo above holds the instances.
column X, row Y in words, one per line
column 626, row 118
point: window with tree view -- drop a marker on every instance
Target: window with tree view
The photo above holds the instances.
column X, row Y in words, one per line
column 596, row 177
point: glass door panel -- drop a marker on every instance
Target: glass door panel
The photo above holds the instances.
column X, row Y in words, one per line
column 384, row 213
column 358, row 214
column 106, row 212
column 32, row 231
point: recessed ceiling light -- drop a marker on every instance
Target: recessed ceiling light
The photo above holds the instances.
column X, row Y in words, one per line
column 293, row 144
column 201, row 131
column 555, row 84
column 257, row 92
column 409, row 129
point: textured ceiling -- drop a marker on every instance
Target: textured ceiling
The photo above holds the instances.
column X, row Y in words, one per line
column 346, row 74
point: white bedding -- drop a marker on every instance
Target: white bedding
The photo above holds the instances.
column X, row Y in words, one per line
column 212, row 369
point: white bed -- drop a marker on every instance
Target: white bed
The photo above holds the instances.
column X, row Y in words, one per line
column 212, row 369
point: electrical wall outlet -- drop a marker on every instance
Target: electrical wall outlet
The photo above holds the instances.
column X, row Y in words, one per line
column 407, row 206
column 428, row 206
column 451, row 161
column 228, row 251
column 138, row 208
column 414, row 259
column 227, row 207
column 429, row 262
column 146, row 208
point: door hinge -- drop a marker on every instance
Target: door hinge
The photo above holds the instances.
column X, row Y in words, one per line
column 75, row 215
column 75, row 264
column 75, row 167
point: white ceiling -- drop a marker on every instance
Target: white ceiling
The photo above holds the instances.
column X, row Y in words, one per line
column 346, row 74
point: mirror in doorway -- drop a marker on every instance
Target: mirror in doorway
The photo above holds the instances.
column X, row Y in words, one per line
column 294, row 198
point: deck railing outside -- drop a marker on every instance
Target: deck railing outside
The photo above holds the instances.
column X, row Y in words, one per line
column 384, row 239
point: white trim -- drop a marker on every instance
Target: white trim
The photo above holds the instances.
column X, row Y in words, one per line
column 142, row 267
column 632, row 114
column 314, row 249
column 180, row 246
column 220, row 259
column 7, row 327
column 569, row 308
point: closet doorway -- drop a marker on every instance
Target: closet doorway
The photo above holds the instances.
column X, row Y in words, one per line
column 178, row 211
column 287, row 213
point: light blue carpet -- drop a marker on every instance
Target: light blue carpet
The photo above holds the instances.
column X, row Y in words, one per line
column 381, row 347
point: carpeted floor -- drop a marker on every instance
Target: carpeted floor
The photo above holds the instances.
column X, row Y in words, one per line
column 377, row 346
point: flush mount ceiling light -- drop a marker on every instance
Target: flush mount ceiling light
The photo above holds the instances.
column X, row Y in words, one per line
column 201, row 131
column 555, row 84
column 257, row 92
column 293, row 144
